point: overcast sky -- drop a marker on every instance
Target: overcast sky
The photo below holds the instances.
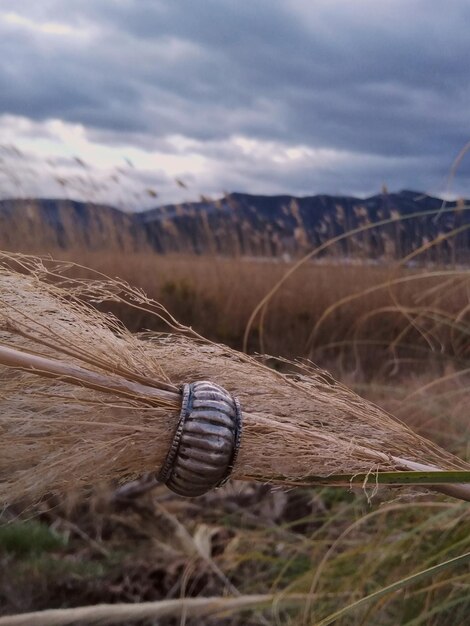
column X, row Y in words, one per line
column 108, row 99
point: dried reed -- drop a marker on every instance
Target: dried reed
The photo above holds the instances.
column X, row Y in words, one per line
column 83, row 400
column 103, row 614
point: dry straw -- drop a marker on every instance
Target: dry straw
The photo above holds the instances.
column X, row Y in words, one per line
column 105, row 614
column 83, row 400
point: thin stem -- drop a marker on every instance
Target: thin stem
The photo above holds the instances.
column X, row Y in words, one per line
column 76, row 375
column 457, row 490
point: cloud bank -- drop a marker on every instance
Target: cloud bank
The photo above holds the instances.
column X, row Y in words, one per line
column 267, row 96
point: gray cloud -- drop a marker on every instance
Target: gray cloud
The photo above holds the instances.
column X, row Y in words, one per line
column 387, row 82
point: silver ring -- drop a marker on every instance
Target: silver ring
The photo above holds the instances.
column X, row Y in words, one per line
column 206, row 441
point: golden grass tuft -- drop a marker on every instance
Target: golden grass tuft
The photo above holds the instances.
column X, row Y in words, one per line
column 298, row 428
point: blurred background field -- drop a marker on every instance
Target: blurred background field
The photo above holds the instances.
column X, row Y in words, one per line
column 397, row 332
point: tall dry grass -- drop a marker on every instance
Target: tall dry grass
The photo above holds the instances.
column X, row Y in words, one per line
column 311, row 429
column 400, row 337
column 362, row 317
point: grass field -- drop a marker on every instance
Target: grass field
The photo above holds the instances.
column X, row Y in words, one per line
column 397, row 336
column 324, row 310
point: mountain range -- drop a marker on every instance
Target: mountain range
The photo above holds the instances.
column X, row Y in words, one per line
column 247, row 224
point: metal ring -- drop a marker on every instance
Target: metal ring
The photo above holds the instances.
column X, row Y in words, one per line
column 206, row 440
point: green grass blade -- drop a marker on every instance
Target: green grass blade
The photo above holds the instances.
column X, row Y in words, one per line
column 424, row 618
column 388, row 478
column 396, row 586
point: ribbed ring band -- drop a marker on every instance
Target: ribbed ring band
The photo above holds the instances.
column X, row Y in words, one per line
column 206, row 441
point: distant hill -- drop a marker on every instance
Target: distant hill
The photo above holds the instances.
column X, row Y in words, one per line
column 245, row 224
column 39, row 225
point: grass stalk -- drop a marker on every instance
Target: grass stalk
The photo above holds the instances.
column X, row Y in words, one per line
column 394, row 587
